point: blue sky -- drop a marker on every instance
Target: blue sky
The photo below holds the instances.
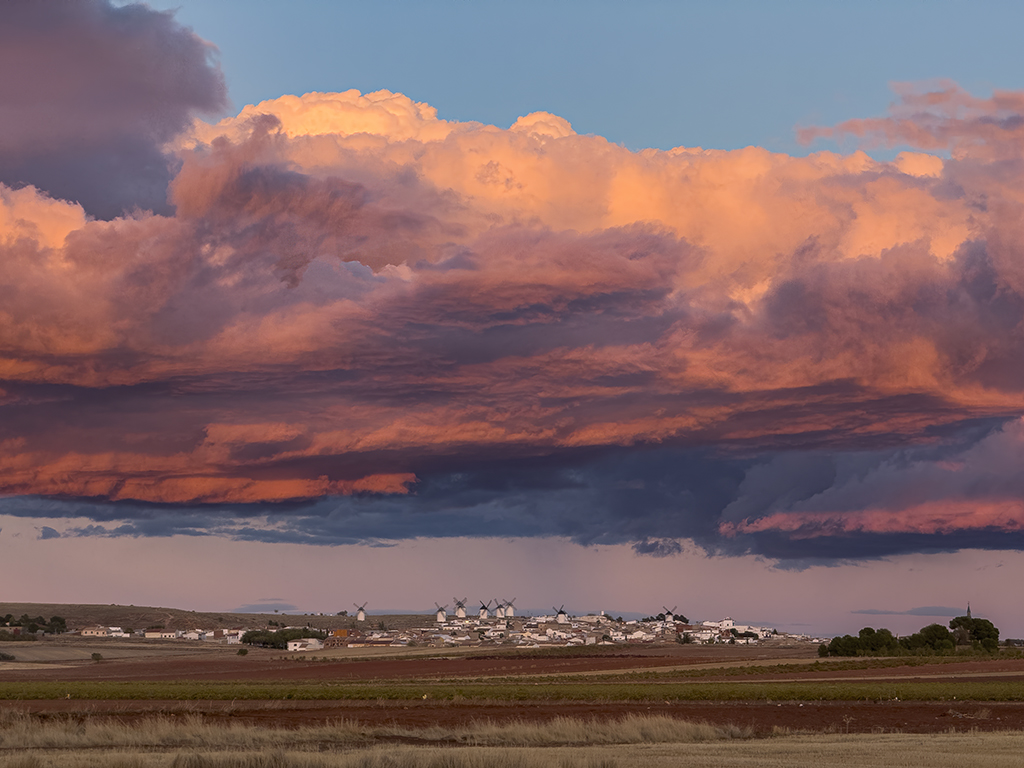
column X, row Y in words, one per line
column 718, row 75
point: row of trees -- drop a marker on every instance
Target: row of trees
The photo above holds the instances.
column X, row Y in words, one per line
column 979, row 634
column 661, row 617
column 279, row 639
column 55, row 625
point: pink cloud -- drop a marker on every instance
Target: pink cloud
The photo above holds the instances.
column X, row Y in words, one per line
column 942, row 117
column 349, row 284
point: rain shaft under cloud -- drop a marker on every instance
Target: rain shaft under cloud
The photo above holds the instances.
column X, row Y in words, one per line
column 355, row 321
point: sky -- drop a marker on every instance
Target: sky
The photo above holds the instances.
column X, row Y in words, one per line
column 616, row 307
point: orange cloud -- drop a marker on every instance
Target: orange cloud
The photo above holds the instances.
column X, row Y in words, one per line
column 934, row 518
column 942, row 117
column 350, row 284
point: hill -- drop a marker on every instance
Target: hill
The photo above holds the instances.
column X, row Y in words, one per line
column 79, row 615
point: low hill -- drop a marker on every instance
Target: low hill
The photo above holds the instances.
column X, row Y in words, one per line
column 142, row 617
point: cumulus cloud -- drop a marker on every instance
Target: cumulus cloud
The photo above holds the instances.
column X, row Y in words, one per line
column 387, row 325
column 89, row 94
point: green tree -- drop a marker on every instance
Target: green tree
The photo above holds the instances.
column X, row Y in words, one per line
column 280, row 638
column 934, row 637
column 978, row 633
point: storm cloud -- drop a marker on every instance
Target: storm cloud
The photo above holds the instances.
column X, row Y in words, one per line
column 362, row 323
column 91, row 92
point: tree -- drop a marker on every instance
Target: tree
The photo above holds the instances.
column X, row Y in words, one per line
column 978, row 633
column 869, row 642
column 934, row 637
column 280, row 638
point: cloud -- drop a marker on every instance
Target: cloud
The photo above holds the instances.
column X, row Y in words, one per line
column 928, row 610
column 978, row 487
column 658, row 499
column 266, row 605
column 90, row 93
column 363, row 323
column 941, row 116
column 657, row 548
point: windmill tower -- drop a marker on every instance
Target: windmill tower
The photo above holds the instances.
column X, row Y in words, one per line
column 360, row 612
column 670, row 616
column 460, row 608
column 561, row 616
column 510, row 608
column 485, row 609
column 499, row 609
column 442, row 613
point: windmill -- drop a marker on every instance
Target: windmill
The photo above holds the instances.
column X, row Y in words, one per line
column 460, row 608
column 499, row 609
column 560, row 616
column 670, row 615
column 442, row 613
column 510, row 608
column 484, row 609
column 360, row 612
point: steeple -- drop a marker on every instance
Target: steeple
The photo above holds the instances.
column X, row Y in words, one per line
column 968, row 610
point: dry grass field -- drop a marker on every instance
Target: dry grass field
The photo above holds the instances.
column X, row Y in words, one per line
column 562, row 743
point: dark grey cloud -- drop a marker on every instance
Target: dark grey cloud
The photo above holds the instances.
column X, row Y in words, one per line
column 655, row 499
column 89, row 94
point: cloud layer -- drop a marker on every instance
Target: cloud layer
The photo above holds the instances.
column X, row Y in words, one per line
column 383, row 325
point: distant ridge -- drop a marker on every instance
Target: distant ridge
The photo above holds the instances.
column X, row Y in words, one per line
column 78, row 615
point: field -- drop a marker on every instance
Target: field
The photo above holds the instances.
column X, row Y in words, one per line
column 200, row 704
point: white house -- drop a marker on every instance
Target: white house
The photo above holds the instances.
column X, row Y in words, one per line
column 305, row 644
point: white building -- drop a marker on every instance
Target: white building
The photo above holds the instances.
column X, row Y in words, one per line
column 305, row 644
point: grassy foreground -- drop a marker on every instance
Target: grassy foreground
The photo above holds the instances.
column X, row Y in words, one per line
column 185, row 690
column 563, row 743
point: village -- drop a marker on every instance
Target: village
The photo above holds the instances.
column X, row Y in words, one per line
column 487, row 626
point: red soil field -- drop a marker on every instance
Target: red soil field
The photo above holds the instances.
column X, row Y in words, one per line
column 278, row 667
column 762, row 717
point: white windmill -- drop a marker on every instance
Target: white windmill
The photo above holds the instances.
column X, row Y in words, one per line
column 360, row 612
column 442, row 613
column 499, row 609
column 510, row 608
column 561, row 616
column 460, row 608
column 485, row 609
column 670, row 615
